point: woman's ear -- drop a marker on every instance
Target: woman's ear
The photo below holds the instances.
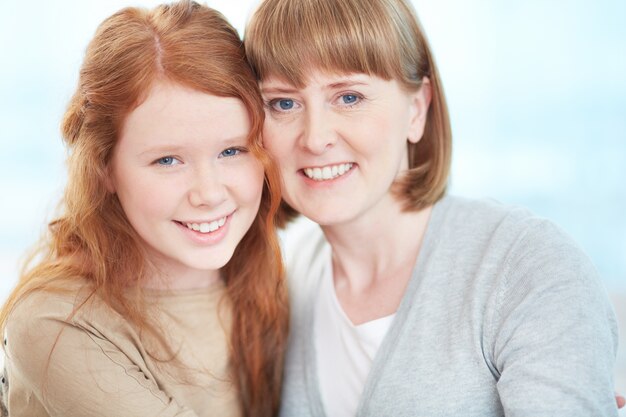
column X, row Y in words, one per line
column 420, row 102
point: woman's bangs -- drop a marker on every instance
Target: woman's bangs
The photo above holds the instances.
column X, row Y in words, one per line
column 289, row 42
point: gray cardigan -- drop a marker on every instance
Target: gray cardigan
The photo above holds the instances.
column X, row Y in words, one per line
column 504, row 316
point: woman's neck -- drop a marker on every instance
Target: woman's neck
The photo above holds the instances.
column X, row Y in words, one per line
column 373, row 257
column 380, row 238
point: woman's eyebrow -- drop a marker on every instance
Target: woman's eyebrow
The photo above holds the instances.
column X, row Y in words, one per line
column 290, row 90
column 345, row 83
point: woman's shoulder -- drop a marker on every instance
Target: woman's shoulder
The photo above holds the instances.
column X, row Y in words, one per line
column 482, row 212
column 512, row 237
column 493, row 220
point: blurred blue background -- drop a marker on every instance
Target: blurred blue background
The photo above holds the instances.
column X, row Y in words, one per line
column 536, row 89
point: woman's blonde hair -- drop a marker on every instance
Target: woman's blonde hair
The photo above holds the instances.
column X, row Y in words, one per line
column 194, row 46
column 289, row 38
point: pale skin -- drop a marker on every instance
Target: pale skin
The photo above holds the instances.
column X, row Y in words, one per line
column 182, row 160
column 375, row 243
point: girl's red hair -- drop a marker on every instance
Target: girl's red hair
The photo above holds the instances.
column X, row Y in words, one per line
column 92, row 239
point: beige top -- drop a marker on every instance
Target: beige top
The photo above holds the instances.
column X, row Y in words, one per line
column 100, row 366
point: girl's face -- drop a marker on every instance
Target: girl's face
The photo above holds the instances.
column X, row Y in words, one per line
column 341, row 141
column 186, row 181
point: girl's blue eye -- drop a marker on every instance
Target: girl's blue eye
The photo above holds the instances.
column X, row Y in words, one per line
column 167, row 161
column 230, row 152
column 349, row 98
column 285, row 104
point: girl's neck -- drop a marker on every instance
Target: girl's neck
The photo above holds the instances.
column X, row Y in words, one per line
column 182, row 279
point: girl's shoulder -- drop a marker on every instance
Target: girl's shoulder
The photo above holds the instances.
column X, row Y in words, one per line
column 70, row 353
column 40, row 316
column 68, row 300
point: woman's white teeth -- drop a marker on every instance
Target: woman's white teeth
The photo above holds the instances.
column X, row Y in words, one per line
column 207, row 227
column 328, row 172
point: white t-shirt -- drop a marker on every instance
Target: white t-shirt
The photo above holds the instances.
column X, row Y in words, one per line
column 344, row 352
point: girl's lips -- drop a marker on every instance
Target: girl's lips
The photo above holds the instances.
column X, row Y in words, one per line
column 208, row 237
column 206, row 226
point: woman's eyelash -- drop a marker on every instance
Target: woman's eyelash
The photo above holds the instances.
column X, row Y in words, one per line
column 286, row 105
column 351, row 99
column 280, row 105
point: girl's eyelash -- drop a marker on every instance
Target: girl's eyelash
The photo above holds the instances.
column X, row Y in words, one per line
column 162, row 161
column 237, row 149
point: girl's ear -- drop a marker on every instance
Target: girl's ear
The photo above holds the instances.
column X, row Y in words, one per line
column 420, row 102
column 109, row 181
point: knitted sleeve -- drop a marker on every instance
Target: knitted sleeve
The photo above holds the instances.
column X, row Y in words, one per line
column 58, row 367
column 555, row 336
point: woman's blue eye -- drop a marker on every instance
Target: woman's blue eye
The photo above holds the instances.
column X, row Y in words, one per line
column 167, row 160
column 230, row 152
column 349, row 98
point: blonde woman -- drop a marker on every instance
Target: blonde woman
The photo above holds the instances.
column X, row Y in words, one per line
column 409, row 301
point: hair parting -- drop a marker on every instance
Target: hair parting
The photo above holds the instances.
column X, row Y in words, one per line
column 92, row 240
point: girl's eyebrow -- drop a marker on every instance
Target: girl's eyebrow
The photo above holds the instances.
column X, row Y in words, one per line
column 164, row 149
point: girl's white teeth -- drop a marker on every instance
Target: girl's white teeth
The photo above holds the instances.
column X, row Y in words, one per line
column 328, row 172
column 207, row 227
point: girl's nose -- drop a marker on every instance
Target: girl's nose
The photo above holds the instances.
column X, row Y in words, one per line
column 207, row 188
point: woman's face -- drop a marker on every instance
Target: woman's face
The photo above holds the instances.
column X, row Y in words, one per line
column 341, row 141
column 186, row 181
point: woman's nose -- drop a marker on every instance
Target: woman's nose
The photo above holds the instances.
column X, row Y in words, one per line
column 319, row 133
